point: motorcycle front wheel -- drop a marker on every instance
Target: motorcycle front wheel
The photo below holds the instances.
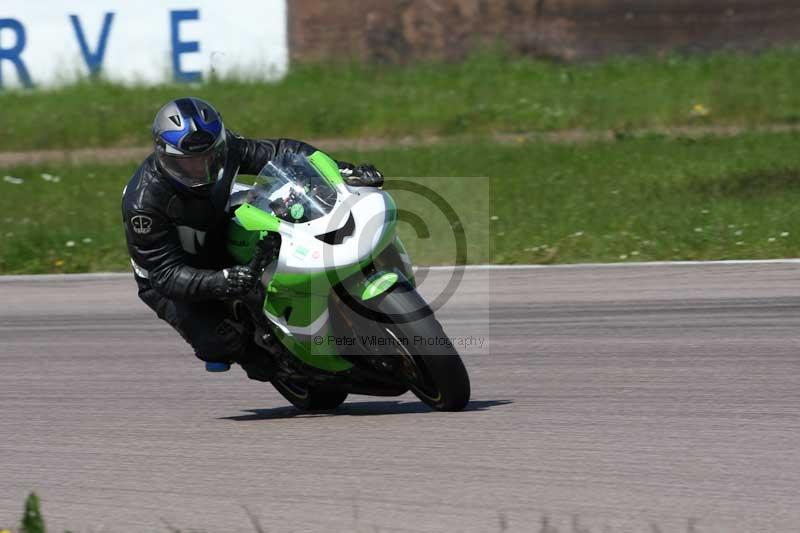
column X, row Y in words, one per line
column 401, row 329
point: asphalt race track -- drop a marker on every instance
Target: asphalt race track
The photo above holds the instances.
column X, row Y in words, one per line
column 648, row 399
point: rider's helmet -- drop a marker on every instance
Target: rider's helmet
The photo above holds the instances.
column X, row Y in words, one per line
column 190, row 143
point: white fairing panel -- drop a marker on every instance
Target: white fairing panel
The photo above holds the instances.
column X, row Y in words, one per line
column 302, row 252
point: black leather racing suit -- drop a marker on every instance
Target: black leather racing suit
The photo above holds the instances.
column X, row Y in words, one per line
column 176, row 241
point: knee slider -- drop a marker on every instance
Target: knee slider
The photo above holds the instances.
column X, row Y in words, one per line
column 225, row 342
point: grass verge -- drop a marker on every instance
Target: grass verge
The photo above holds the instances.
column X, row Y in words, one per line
column 651, row 198
column 486, row 94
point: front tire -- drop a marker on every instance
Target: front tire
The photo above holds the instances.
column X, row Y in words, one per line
column 308, row 398
column 408, row 331
column 435, row 374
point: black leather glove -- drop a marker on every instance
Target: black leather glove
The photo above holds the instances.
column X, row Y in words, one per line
column 362, row 175
column 234, row 281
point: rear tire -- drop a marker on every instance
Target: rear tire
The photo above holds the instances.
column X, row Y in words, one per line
column 309, row 398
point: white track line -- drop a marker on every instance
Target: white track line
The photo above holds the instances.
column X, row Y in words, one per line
column 94, row 276
column 752, row 262
column 755, row 262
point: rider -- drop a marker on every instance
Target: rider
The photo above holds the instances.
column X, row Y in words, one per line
column 175, row 210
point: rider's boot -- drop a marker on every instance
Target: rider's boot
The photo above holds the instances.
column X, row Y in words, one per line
column 256, row 363
column 254, row 359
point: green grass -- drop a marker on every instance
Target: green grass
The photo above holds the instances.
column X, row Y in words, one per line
column 32, row 520
column 652, row 198
column 488, row 93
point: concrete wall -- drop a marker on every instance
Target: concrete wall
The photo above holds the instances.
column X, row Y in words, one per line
column 53, row 42
column 406, row 30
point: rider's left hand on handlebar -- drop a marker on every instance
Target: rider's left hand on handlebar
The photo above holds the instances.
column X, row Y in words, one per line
column 363, row 176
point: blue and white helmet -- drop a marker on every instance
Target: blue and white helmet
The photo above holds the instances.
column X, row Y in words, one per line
column 190, row 143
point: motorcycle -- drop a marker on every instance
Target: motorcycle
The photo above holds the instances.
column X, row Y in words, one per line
column 337, row 308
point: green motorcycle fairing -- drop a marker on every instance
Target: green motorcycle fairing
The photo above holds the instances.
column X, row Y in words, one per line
column 296, row 303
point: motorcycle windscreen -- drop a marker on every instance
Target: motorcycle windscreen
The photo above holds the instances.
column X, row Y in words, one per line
column 292, row 189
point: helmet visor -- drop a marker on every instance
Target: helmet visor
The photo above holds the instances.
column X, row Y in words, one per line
column 196, row 170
